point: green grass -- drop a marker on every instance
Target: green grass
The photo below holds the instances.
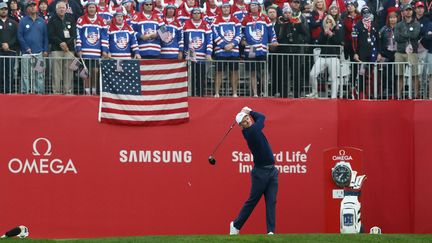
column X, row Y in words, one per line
column 303, row 238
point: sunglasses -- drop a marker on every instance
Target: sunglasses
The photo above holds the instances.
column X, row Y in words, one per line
column 148, row 4
column 197, row 13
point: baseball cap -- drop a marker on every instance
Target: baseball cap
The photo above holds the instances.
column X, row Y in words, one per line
column 240, row 116
column 406, row 6
column 3, row 5
column 419, row 4
column 30, row 3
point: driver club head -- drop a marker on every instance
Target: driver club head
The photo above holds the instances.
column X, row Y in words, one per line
column 212, row 160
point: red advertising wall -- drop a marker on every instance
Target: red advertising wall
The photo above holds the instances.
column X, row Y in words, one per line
column 64, row 175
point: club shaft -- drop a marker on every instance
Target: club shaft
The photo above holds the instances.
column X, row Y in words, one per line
column 223, row 138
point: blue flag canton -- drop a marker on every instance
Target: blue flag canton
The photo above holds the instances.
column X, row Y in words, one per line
column 121, row 77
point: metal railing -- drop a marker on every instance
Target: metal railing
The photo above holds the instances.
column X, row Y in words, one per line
column 308, row 74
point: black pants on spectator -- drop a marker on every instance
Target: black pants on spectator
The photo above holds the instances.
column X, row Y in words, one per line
column 279, row 75
column 199, row 78
column 7, row 65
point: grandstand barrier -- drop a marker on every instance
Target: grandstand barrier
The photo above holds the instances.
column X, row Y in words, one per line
column 64, row 175
column 307, row 74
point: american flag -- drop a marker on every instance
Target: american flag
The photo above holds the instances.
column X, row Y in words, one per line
column 145, row 92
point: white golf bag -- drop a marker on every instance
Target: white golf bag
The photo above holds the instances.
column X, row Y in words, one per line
column 350, row 220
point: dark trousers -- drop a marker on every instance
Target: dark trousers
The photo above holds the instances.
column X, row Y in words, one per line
column 199, row 78
column 264, row 181
column 7, row 65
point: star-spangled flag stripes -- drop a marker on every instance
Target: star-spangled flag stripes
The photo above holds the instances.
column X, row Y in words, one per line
column 146, row 92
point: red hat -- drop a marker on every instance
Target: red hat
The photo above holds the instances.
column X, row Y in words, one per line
column 392, row 10
column 419, row 4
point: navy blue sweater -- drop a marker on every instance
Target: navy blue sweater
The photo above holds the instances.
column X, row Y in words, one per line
column 257, row 141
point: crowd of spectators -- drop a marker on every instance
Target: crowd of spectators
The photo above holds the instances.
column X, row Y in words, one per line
column 367, row 30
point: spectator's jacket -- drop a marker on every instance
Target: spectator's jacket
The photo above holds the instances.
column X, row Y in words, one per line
column 427, row 38
column 129, row 17
column 365, row 42
column 238, row 12
column 143, row 25
column 92, row 37
column 159, row 12
column 122, row 41
column 199, row 38
column 348, row 24
column 17, row 15
column 104, row 12
column 170, row 48
column 292, row 33
column 56, row 32
column 8, row 34
column 33, row 35
column 258, row 32
column 224, row 33
column 386, row 43
column 315, row 26
column 424, row 25
column 45, row 15
column 211, row 14
column 407, row 33
column 335, row 39
column 72, row 7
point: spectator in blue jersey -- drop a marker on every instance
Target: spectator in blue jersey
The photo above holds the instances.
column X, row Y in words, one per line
column 129, row 5
column 146, row 25
column 33, row 39
column 172, row 39
column 264, row 175
column 91, row 44
column 8, row 48
column 122, row 40
column 198, row 45
column 226, row 34
column 62, row 36
column 240, row 9
column 104, row 10
column 258, row 31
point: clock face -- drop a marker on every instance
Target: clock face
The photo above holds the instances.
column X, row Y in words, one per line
column 341, row 175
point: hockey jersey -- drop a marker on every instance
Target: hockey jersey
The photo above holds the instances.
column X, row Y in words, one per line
column 239, row 11
column 171, row 46
column 143, row 25
column 104, row 12
column 199, row 38
column 92, row 37
column 211, row 14
column 224, row 33
column 183, row 14
column 122, row 41
column 258, row 32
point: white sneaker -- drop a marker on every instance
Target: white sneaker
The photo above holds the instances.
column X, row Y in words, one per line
column 270, row 233
column 312, row 95
column 233, row 230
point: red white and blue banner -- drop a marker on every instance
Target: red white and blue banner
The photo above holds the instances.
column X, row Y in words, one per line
column 144, row 92
column 65, row 175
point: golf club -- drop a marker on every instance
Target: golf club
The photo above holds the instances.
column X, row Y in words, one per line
column 211, row 158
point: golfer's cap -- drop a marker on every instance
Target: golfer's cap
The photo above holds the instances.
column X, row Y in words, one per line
column 240, row 116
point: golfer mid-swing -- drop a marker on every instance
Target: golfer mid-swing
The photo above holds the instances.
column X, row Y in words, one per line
column 264, row 174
